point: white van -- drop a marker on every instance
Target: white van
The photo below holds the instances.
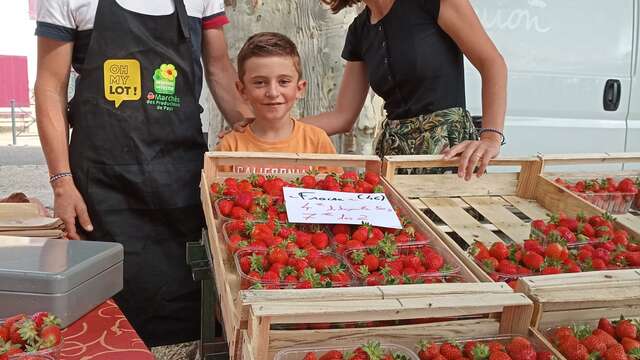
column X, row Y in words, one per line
column 574, row 83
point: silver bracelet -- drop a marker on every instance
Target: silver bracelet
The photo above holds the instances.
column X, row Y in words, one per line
column 497, row 131
column 58, row 176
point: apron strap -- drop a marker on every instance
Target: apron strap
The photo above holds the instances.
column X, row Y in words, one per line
column 183, row 18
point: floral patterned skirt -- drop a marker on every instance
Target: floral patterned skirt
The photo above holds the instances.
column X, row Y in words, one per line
column 427, row 134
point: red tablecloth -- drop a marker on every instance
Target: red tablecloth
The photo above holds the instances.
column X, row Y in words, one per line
column 103, row 334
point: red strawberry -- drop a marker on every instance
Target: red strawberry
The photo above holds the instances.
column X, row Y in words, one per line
column 499, row 355
column 225, row 206
column 372, row 178
column 595, row 344
column 310, row 356
column 331, row 355
column 50, row 335
column 606, row 338
column 532, row 260
column 624, row 328
column 308, row 181
column 630, row 344
column 428, row 351
column 278, row 256
column 499, row 250
column 371, row 262
column 605, row 325
column 450, row 351
column 4, row 334
column 340, row 229
column 615, row 352
column 545, row 355
column 495, row 346
column 320, row 240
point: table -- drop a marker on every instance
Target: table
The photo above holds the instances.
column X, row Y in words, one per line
column 103, row 334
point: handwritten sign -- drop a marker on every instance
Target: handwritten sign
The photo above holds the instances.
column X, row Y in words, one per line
column 331, row 207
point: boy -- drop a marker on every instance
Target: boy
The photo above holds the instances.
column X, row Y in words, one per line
column 270, row 80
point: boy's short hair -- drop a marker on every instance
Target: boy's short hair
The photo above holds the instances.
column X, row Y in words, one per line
column 267, row 44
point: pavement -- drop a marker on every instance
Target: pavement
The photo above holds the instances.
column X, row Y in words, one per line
column 23, row 167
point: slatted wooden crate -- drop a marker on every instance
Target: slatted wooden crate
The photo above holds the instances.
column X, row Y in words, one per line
column 572, row 298
column 629, row 221
column 498, row 206
column 233, row 302
column 480, row 310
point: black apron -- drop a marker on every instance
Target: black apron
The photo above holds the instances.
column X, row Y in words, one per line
column 136, row 153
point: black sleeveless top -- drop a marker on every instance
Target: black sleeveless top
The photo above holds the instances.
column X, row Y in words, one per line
column 412, row 63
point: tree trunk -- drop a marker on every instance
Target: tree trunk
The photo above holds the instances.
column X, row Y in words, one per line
column 319, row 36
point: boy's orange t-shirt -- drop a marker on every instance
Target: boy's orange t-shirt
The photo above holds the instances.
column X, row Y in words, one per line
column 304, row 138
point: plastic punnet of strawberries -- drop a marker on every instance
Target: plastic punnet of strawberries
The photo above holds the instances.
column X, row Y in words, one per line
column 606, row 193
column 511, row 348
column 261, row 197
column 372, row 350
column 595, row 243
column 391, row 264
column 301, row 269
column 574, row 231
column 22, row 336
column 509, row 262
column 617, row 340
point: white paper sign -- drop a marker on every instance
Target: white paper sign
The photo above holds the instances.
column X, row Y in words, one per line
column 330, row 207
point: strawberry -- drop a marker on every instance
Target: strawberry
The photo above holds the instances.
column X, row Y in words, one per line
column 605, row 337
column 8, row 322
column 371, row 262
column 499, row 355
column 428, row 351
column 50, row 335
column 225, row 206
column 624, row 328
column 331, row 355
column 308, row 181
column 595, row 344
column 615, row 352
column 518, row 344
column 310, row 356
column 340, row 229
column 320, row 240
column 372, row 178
column 450, row 351
column 507, row 267
column 278, row 256
column 495, row 346
column 434, row 262
column 532, row 260
column 545, row 355
column 533, row 245
column 573, row 350
column 499, row 250
column 556, row 251
column 605, row 325
column 4, row 334
column 630, row 344
column 23, row 332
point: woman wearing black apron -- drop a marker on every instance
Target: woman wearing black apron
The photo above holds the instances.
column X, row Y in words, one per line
column 136, row 152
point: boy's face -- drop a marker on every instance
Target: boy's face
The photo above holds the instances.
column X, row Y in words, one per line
column 271, row 85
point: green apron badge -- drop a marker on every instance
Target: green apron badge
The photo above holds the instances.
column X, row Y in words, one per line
column 164, row 86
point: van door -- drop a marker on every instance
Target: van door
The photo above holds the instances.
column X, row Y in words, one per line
column 569, row 73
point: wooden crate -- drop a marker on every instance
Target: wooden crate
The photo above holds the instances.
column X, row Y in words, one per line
column 629, row 221
column 480, row 310
column 233, row 301
column 569, row 298
column 498, row 206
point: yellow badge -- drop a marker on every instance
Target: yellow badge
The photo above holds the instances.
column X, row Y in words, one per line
column 122, row 80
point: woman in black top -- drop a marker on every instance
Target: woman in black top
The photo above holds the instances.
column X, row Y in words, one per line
column 411, row 54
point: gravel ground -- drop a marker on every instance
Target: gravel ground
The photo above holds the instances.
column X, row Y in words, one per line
column 184, row 351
